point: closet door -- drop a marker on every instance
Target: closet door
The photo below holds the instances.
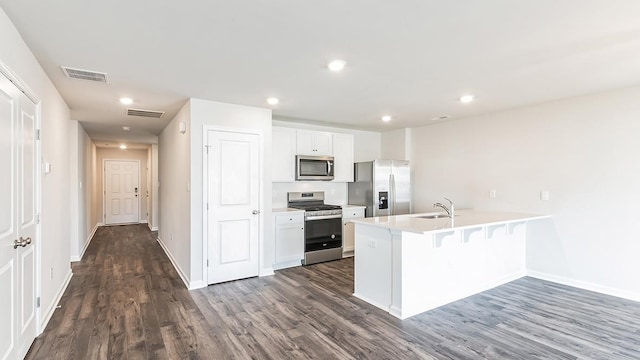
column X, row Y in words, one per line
column 17, row 221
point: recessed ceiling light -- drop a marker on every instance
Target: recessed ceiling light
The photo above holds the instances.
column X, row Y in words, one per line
column 123, row 146
column 465, row 99
column 126, row 128
column 386, row 118
column 337, row 65
column 126, row 101
column 273, row 101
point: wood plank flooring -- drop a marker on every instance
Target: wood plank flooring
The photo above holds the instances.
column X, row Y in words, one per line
column 126, row 301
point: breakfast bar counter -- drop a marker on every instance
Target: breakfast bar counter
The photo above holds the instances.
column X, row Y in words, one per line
column 408, row 264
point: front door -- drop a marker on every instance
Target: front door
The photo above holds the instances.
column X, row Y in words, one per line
column 233, row 178
column 122, row 190
column 18, row 159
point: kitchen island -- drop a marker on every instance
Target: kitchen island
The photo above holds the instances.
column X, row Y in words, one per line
column 408, row 264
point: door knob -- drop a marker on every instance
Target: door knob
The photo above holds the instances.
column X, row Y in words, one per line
column 255, row 212
column 22, row 242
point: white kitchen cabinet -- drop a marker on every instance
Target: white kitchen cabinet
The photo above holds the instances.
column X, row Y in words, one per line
column 289, row 239
column 283, row 154
column 343, row 157
column 314, row 143
column 348, row 213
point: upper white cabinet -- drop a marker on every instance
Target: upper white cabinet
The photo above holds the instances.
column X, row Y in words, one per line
column 289, row 142
column 314, row 143
column 284, row 154
column 343, row 157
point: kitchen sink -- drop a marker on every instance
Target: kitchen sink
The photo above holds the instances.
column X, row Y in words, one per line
column 435, row 216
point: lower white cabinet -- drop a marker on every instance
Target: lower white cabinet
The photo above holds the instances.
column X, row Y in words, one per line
column 351, row 212
column 289, row 236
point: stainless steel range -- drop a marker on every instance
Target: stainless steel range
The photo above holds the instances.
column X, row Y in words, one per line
column 322, row 226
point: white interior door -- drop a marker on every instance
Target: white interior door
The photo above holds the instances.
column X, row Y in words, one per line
column 121, row 191
column 233, row 178
column 18, row 159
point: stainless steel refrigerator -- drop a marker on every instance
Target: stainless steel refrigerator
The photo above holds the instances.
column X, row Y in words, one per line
column 383, row 186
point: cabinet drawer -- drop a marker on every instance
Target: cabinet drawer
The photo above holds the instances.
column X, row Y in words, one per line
column 352, row 213
column 290, row 219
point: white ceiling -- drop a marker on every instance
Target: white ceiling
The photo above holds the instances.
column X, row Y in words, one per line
column 408, row 58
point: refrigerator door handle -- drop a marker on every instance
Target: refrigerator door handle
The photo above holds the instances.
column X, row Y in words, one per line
column 392, row 194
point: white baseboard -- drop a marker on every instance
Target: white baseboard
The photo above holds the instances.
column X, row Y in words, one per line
column 585, row 285
column 86, row 244
column 198, row 285
column 266, row 272
column 152, row 228
column 183, row 276
column 144, row 221
column 46, row 316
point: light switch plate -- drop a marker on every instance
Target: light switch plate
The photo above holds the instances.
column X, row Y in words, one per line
column 492, row 193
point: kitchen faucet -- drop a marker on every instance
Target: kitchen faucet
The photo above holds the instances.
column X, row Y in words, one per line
column 450, row 210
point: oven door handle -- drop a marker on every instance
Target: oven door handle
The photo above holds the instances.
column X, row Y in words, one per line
column 323, row 217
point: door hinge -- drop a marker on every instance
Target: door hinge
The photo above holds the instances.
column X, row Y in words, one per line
column 207, row 206
column 38, row 134
column 207, row 262
column 38, row 218
column 38, row 302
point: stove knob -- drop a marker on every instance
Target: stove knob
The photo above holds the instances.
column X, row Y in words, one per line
column 333, row 236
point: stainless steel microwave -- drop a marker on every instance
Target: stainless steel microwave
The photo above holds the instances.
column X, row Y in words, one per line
column 314, row 167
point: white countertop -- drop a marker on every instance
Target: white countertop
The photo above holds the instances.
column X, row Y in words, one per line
column 285, row 210
column 463, row 219
column 353, row 206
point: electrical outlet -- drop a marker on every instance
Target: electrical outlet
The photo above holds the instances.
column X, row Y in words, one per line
column 372, row 244
column 544, row 195
column 492, row 193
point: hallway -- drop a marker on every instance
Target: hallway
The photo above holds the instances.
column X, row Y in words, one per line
column 125, row 301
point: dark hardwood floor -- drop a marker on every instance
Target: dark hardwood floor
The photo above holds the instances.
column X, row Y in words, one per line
column 126, row 301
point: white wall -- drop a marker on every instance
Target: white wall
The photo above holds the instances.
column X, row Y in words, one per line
column 174, row 164
column 82, row 216
column 396, row 144
column 55, row 135
column 584, row 151
column 74, row 193
column 120, row 154
column 154, row 216
column 366, row 146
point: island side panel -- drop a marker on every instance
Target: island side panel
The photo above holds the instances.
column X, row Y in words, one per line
column 437, row 269
column 430, row 277
column 373, row 265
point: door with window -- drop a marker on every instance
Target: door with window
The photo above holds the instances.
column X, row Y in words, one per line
column 18, row 224
column 121, row 191
column 233, row 180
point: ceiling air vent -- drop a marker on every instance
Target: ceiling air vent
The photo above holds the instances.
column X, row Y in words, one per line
column 72, row 73
column 145, row 113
